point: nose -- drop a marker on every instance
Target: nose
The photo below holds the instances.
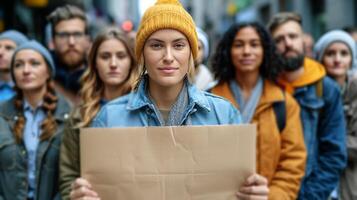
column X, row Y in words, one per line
column 287, row 42
column 27, row 69
column 168, row 57
column 338, row 57
column 247, row 49
column 71, row 40
column 113, row 62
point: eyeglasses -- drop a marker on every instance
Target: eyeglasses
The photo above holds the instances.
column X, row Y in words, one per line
column 66, row 35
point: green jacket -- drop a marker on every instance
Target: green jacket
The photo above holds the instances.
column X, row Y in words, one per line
column 70, row 158
column 13, row 156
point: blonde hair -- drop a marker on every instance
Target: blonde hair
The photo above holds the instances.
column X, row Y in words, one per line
column 92, row 86
column 49, row 124
column 142, row 70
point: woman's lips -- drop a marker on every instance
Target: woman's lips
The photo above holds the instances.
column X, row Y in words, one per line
column 247, row 61
column 168, row 70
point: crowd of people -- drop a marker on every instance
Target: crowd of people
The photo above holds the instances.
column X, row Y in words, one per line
column 302, row 97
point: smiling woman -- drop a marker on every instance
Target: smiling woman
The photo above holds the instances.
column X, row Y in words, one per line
column 166, row 46
column 247, row 67
column 167, row 61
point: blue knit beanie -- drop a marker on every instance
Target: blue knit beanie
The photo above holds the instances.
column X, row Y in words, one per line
column 36, row 46
column 15, row 36
column 335, row 36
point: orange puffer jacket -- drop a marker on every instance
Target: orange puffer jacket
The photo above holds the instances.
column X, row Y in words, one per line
column 280, row 156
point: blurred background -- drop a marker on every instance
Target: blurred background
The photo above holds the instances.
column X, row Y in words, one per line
column 214, row 16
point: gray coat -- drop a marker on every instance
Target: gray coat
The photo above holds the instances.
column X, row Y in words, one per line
column 13, row 157
column 348, row 182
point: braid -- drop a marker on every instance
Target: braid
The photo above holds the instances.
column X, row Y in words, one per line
column 49, row 124
column 20, row 122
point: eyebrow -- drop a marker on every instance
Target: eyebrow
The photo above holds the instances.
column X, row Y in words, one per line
column 249, row 40
column 108, row 51
column 158, row 40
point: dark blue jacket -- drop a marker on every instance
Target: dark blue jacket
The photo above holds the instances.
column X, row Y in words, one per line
column 324, row 128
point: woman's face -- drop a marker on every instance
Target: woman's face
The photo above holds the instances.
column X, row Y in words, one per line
column 247, row 51
column 30, row 70
column 167, row 57
column 337, row 59
column 200, row 53
column 113, row 62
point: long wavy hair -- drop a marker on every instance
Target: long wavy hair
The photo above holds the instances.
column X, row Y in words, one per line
column 49, row 124
column 92, row 89
column 222, row 64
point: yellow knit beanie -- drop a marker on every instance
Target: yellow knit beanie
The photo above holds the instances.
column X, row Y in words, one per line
column 166, row 14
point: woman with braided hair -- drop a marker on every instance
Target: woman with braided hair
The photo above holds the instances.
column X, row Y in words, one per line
column 31, row 126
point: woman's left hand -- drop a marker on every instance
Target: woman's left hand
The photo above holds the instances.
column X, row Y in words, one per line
column 255, row 187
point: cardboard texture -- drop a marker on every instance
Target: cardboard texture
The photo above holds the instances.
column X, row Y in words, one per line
column 168, row 163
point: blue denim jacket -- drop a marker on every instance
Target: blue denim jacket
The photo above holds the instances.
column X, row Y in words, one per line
column 324, row 131
column 135, row 109
column 13, row 157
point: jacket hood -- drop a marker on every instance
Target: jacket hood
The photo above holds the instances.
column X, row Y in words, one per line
column 313, row 71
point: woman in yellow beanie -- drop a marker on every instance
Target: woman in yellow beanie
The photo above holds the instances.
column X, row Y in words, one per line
column 166, row 46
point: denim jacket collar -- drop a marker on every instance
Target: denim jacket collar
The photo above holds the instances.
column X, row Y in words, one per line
column 138, row 98
column 307, row 97
column 9, row 112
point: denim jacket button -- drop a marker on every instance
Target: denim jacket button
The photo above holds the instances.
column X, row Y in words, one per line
column 66, row 116
column 23, row 152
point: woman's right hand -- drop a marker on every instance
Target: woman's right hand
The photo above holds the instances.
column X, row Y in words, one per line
column 82, row 189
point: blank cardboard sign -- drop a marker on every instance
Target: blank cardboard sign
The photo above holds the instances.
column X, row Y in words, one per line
column 168, row 163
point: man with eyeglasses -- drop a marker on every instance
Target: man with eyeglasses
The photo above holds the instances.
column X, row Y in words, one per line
column 70, row 42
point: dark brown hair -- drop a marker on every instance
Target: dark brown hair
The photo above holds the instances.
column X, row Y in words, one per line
column 66, row 12
column 222, row 64
column 281, row 18
column 49, row 124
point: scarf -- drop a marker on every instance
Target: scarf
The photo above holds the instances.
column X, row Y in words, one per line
column 247, row 109
column 177, row 110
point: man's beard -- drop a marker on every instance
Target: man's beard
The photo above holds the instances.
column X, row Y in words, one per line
column 72, row 62
column 293, row 63
column 4, row 69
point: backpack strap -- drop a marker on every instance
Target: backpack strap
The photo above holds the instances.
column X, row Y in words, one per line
column 280, row 113
column 319, row 88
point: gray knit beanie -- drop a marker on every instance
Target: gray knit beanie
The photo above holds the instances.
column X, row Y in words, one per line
column 36, row 46
column 15, row 36
column 202, row 36
column 335, row 36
